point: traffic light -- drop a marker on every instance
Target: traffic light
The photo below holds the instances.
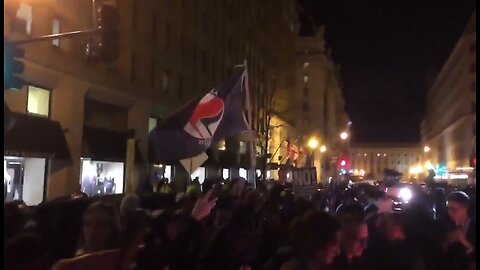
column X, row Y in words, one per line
column 343, row 161
column 12, row 66
column 108, row 19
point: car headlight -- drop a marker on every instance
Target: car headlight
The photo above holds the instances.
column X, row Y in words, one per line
column 405, row 194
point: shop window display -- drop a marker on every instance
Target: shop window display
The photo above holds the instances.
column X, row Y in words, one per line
column 225, row 173
column 23, row 179
column 200, row 173
column 243, row 173
column 100, row 178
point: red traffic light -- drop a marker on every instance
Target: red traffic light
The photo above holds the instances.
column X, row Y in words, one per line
column 343, row 162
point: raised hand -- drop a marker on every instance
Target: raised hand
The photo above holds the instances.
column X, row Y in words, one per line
column 204, row 206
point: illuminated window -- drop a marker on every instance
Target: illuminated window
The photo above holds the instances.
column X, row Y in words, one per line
column 152, row 123
column 225, row 173
column 56, row 30
column 243, row 148
column 305, row 78
column 38, row 101
column 24, row 13
column 306, row 65
column 222, row 146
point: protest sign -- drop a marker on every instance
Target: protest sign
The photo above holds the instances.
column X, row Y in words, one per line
column 304, row 182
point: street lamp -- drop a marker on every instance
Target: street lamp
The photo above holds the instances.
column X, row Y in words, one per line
column 313, row 143
column 343, row 135
column 426, row 149
column 323, row 149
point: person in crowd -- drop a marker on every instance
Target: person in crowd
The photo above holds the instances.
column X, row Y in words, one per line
column 26, row 251
column 457, row 206
column 353, row 243
column 233, row 246
column 315, row 243
column 460, row 242
column 14, row 219
column 391, row 250
column 101, row 228
column 130, row 203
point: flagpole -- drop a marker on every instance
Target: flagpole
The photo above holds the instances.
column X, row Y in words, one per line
column 250, row 124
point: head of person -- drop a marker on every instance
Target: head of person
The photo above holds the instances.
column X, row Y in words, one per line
column 130, row 203
column 457, row 205
column 101, row 228
column 354, row 236
column 392, row 227
column 317, row 237
column 26, row 251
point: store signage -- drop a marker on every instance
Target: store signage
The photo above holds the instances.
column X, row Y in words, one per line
column 451, row 176
column 304, row 182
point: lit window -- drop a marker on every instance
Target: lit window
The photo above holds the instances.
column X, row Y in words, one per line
column 243, row 148
column 24, row 12
column 152, row 123
column 38, row 101
column 56, row 30
column 222, row 145
column 305, row 78
column 306, row 65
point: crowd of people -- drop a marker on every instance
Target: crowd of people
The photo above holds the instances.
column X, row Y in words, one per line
column 231, row 225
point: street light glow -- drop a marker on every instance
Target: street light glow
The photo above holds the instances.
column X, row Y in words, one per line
column 343, row 135
column 312, row 143
column 323, row 149
column 426, row 149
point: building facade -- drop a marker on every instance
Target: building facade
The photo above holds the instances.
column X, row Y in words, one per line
column 372, row 160
column 320, row 107
column 169, row 52
column 449, row 127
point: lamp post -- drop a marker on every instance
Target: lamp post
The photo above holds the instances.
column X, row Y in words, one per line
column 312, row 144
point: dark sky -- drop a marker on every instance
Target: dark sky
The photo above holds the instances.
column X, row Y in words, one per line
column 386, row 48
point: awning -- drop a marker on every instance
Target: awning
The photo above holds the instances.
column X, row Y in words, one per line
column 35, row 136
column 107, row 145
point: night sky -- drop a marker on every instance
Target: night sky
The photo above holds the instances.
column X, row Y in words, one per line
column 387, row 49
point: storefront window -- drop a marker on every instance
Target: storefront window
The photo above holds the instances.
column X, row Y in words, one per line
column 23, row 179
column 102, row 177
column 225, row 174
column 242, row 173
column 200, row 173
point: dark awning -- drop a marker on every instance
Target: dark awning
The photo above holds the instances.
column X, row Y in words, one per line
column 34, row 136
column 107, row 145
